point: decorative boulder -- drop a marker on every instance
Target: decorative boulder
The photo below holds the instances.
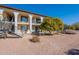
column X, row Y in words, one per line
column 69, row 32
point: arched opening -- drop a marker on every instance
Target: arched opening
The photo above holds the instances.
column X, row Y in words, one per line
column 23, row 19
column 36, row 19
column 36, row 22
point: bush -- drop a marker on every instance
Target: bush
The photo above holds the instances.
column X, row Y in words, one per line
column 71, row 27
column 35, row 39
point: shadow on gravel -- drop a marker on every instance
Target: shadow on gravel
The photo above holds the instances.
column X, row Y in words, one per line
column 73, row 52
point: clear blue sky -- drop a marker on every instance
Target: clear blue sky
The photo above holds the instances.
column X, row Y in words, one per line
column 69, row 13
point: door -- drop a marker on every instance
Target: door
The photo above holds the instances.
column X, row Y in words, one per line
column 36, row 29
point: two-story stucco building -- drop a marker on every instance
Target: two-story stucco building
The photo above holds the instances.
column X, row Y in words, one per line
column 23, row 21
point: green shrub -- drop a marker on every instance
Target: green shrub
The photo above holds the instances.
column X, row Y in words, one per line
column 72, row 27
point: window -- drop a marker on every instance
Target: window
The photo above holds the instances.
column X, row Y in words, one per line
column 38, row 20
column 24, row 19
column 24, row 28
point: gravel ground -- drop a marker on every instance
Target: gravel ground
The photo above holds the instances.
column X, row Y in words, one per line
column 49, row 45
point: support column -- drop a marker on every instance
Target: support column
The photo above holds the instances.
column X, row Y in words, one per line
column 16, row 23
column 30, row 21
column 41, row 19
column 1, row 14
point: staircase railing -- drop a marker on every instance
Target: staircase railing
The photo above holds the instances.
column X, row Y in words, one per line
column 5, row 28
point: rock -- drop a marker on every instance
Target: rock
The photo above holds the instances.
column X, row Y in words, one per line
column 69, row 32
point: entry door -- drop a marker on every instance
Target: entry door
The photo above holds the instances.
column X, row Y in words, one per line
column 36, row 29
column 13, row 28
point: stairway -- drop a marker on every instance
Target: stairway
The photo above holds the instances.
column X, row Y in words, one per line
column 5, row 29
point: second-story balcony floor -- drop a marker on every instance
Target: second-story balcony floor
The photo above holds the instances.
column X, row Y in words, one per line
column 23, row 23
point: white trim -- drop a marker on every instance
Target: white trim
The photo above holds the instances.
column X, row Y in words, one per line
column 41, row 19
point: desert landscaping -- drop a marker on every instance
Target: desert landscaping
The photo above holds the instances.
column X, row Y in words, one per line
column 57, row 44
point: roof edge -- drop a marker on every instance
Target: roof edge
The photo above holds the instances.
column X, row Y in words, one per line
column 21, row 10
